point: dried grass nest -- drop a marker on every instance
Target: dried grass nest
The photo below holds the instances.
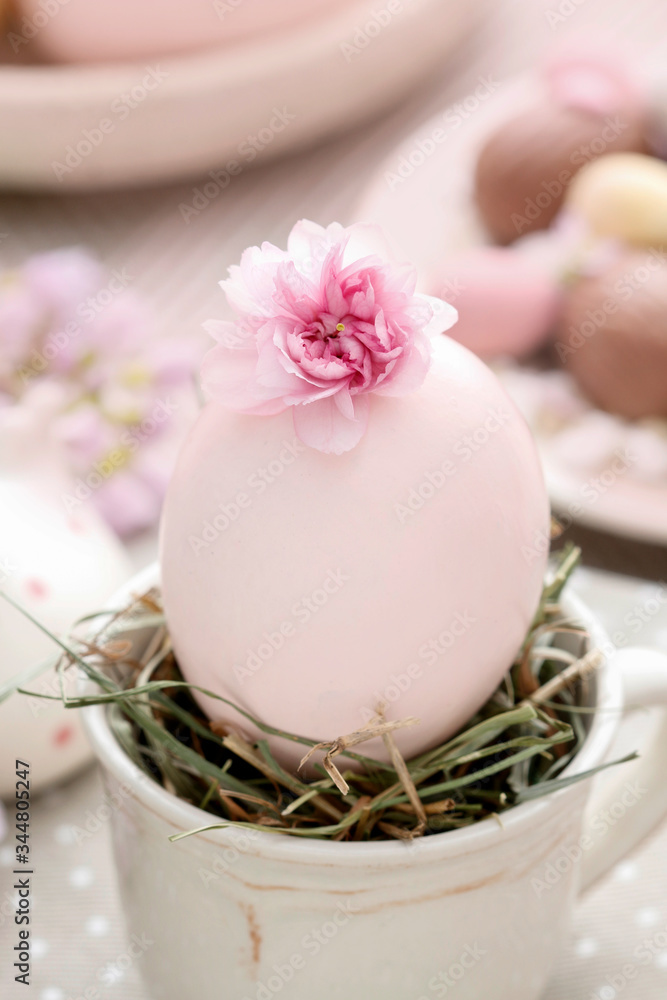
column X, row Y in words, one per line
column 514, row 749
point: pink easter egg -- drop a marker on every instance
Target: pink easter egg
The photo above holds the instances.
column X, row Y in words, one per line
column 308, row 588
column 507, row 303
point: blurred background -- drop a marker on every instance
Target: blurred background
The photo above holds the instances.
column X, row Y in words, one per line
column 141, row 151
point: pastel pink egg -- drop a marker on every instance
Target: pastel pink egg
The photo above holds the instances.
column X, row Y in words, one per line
column 108, row 30
column 308, row 588
column 507, row 303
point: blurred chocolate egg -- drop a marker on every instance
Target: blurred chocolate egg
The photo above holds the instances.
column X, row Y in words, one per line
column 624, row 197
column 657, row 130
column 613, row 335
column 591, row 107
column 506, row 301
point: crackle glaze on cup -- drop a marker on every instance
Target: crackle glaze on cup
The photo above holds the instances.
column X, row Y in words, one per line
column 255, row 915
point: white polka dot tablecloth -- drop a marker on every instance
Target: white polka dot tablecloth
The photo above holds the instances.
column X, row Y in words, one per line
column 78, row 938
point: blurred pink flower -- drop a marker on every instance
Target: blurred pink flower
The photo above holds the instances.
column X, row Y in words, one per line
column 319, row 327
column 59, row 281
column 584, row 75
column 126, row 397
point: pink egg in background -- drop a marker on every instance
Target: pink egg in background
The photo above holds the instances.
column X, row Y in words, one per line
column 507, row 303
column 308, row 588
column 110, row 30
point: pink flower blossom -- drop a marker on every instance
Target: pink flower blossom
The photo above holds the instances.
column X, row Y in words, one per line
column 592, row 78
column 63, row 327
column 319, row 328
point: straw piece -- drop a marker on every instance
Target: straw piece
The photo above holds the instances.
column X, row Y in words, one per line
column 370, row 731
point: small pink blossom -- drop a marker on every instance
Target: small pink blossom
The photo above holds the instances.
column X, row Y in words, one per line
column 591, row 78
column 63, row 328
column 321, row 326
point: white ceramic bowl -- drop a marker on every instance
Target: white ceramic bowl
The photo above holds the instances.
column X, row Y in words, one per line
column 99, row 31
column 253, row 914
column 170, row 118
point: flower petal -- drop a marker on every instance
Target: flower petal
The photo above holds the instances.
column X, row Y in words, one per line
column 345, row 403
column 229, row 375
column 366, row 239
column 309, row 244
column 251, row 284
column 444, row 315
column 322, row 426
column 409, row 371
column 228, row 334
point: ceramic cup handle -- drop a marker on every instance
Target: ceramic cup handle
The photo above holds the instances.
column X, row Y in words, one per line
column 629, row 801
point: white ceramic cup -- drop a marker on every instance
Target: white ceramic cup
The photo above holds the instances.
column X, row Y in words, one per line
column 478, row 911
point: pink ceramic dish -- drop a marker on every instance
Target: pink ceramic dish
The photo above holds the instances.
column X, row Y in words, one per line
column 110, row 30
column 217, row 108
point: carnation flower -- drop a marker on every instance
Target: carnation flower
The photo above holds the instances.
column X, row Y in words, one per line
column 320, row 327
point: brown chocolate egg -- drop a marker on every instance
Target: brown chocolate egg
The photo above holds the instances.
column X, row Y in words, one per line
column 526, row 166
column 613, row 335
